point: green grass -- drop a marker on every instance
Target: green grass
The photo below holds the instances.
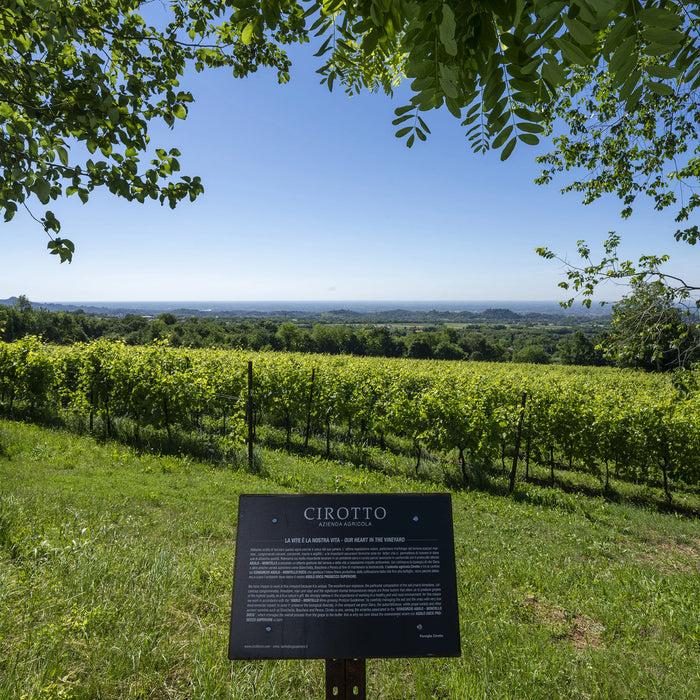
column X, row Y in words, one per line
column 116, row 571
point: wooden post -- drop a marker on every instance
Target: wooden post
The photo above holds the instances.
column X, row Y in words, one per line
column 308, row 409
column 249, row 412
column 518, row 434
column 346, row 679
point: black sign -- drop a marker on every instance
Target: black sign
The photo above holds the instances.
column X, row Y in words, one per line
column 344, row 576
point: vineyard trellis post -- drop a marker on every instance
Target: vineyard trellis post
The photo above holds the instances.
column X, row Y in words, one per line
column 518, row 434
column 308, row 409
column 249, row 412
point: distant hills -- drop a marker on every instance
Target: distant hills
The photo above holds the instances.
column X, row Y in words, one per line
column 97, row 309
column 347, row 312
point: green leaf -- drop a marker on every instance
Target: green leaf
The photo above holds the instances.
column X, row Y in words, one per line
column 620, row 29
column 660, row 88
column 630, row 85
column 447, row 30
column 62, row 247
column 50, row 222
column 580, row 33
column 572, row 53
column 529, row 139
column 453, row 107
column 658, row 49
column 474, row 130
column 553, row 73
column 62, row 155
column 505, row 153
column 180, row 111
column 492, row 94
column 502, row 137
column 622, row 54
column 324, row 47
column 402, row 132
column 449, row 89
column 626, row 69
column 662, row 71
column 271, row 13
column 526, row 98
column 529, row 114
column 659, row 17
column 447, row 81
column 402, row 110
column 42, row 189
column 530, row 127
column 498, row 119
column 247, row 33
column 401, row 119
column 659, row 35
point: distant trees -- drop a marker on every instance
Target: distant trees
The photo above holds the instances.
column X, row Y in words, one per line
column 449, row 351
column 477, row 347
column 22, row 319
column 292, row 338
column 580, row 350
column 419, row 348
column 647, row 331
column 533, row 354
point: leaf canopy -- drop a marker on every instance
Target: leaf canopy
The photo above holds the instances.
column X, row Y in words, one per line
column 88, row 77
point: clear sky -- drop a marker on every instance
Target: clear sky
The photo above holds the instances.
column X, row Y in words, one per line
column 309, row 196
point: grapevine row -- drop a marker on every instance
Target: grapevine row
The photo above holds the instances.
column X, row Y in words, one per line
column 639, row 426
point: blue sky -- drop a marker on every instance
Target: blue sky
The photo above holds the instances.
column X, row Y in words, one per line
column 309, row 196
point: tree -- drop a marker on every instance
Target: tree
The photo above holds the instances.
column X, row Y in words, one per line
column 648, row 330
column 448, row 351
column 293, row 338
column 169, row 319
column 655, row 325
column 79, row 77
column 579, row 350
column 534, row 354
column 630, row 138
column 419, row 348
column 82, row 76
column 379, row 342
column 651, row 150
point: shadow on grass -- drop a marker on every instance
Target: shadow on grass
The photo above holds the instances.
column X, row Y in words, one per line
column 365, row 454
column 199, row 445
column 657, row 502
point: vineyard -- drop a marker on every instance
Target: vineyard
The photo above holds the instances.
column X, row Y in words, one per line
column 634, row 426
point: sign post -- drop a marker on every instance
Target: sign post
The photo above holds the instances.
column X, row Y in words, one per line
column 346, row 679
column 344, row 577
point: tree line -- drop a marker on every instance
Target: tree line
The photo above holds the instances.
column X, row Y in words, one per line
column 645, row 331
column 492, row 342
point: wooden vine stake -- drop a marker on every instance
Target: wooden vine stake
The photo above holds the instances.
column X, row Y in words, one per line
column 249, row 412
column 308, row 409
column 518, row 434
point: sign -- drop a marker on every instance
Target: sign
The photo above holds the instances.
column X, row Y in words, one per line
column 344, row 576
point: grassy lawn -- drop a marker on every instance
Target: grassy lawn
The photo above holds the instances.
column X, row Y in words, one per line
column 116, row 571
